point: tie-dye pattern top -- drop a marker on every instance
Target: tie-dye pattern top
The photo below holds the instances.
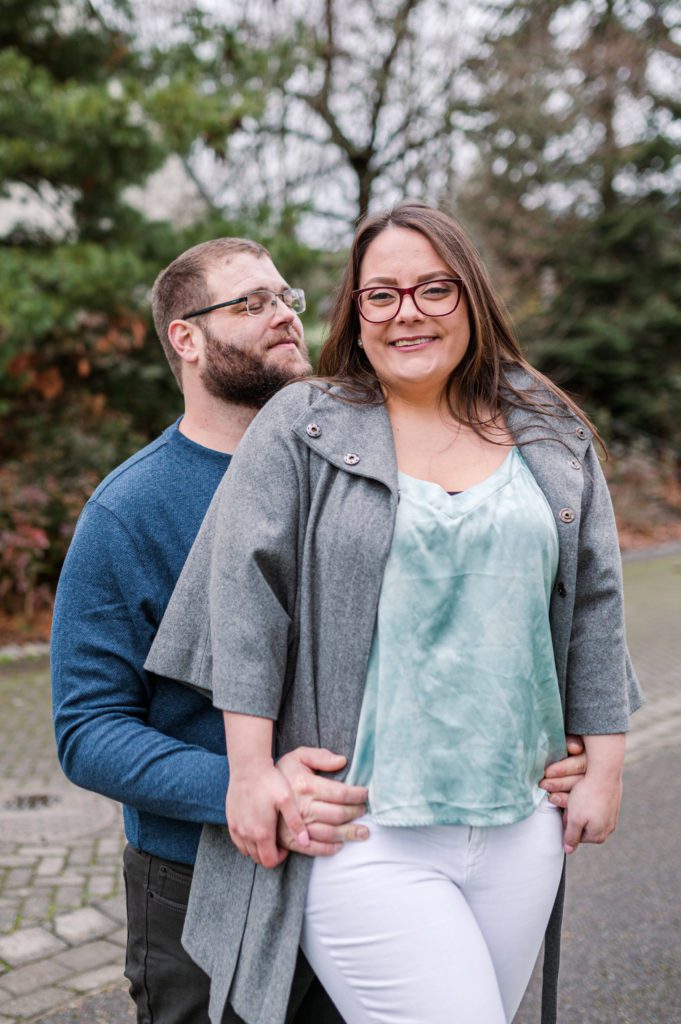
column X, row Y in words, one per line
column 461, row 711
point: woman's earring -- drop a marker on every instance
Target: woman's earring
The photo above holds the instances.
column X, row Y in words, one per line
column 360, row 343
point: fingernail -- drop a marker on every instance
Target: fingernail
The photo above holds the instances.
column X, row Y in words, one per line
column 362, row 832
column 568, row 849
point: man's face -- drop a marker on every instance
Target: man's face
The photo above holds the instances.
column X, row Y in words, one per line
column 248, row 358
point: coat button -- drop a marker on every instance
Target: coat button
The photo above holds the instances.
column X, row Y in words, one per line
column 566, row 515
column 581, row 433
column 575, row 463
column 351, row 459
column 313, row 430
column 560, row 589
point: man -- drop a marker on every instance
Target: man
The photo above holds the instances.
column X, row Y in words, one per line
column 230, row 329
column 150, row 743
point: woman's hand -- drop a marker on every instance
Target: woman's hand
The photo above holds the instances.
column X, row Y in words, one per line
column 256, row 796
column 592, row 812
column 594, row 802
column 561, row 776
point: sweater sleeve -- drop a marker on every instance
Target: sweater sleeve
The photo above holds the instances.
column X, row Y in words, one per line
column 105, row 616
column 602, row 689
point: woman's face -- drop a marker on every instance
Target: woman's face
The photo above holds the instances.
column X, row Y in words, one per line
column 412, row 354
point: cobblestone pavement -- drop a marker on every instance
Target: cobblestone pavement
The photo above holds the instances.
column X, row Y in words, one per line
column 62, row 918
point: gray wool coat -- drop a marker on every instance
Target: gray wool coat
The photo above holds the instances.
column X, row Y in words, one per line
column 274, row 613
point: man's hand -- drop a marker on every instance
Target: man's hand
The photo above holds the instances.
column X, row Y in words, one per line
column 561, row 776
column 327, row 807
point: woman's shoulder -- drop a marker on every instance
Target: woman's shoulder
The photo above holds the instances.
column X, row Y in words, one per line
column 299, row 396
column 289, row 400
column 529, row 385
column 533, row 400
column 285, row 408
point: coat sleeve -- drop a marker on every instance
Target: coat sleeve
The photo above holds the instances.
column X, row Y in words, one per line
column 602, row 690
column 228, row 627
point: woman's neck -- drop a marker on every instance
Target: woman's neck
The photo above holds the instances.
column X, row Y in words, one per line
column 422, row 407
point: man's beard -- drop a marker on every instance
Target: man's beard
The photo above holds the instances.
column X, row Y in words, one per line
column 237, row 376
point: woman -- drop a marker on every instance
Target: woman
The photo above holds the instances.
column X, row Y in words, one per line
column 430, row 520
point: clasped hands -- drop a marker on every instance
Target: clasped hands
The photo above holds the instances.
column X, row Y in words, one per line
column 273, row 809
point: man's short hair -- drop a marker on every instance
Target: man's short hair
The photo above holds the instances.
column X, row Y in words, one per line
column 183, row 286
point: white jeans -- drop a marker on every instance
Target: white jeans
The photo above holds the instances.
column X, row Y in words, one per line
column 436, row 925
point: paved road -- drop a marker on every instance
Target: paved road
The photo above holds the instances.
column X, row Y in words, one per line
column 61, row 905
column 621, row 961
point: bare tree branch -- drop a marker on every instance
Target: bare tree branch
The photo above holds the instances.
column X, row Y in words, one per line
column 400, row 26
column 198, row 184
column 320, row 101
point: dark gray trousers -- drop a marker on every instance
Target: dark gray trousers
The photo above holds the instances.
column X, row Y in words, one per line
column 165, row 983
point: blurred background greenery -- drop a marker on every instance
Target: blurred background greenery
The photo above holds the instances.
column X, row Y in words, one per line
column 129, row 131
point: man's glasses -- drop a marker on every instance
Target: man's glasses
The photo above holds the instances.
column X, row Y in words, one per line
column 433, row 298
column 258, row 302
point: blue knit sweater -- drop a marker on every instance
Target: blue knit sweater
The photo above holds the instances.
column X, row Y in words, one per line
column 156, row 746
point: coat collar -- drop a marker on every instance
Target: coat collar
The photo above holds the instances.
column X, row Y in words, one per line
column 357, row 438
column 354, row 437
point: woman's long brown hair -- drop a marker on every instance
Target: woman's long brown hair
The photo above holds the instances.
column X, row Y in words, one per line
column 478, row 389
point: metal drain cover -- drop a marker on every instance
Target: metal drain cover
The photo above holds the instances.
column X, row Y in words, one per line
column 37, row 814
column 31, row 801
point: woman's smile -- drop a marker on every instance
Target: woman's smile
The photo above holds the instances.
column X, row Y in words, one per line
column 410, row 344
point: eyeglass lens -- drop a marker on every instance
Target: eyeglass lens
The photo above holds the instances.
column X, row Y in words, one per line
column 434, row 298
column 257, row 302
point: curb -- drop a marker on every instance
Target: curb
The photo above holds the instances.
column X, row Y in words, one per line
column 671, row 548
column 23, row 652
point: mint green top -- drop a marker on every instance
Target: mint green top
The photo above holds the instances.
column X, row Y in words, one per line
column 461, row 711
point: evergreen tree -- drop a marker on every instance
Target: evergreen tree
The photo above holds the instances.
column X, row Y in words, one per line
column 577, row 197
column 87, row 114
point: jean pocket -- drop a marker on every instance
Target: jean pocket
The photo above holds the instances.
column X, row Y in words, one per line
column 163, row 901
column 172, row 887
